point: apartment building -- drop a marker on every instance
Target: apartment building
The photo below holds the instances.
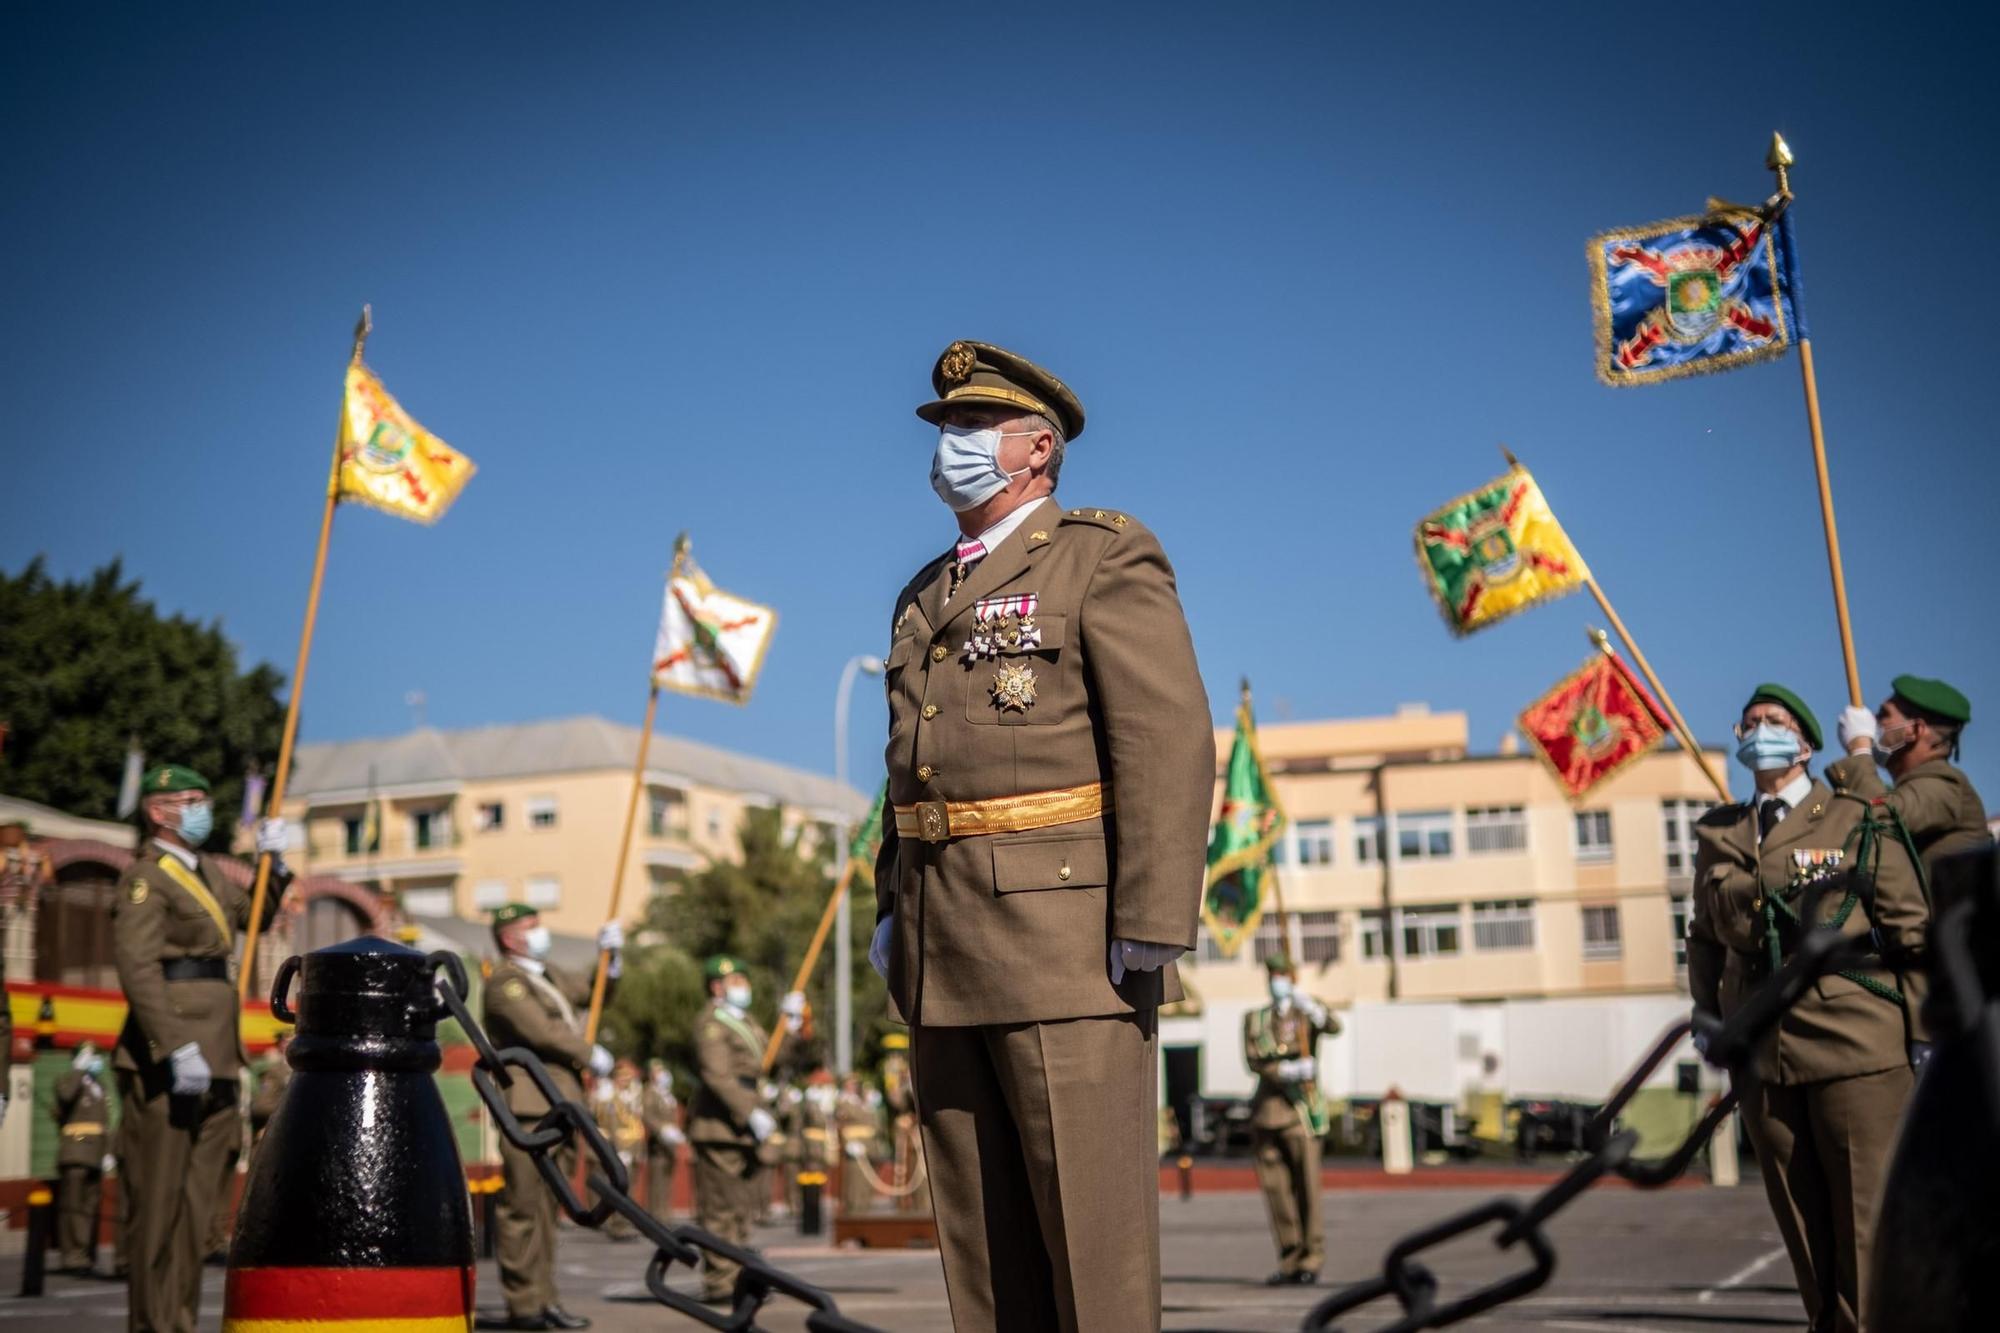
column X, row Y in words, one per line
column 454, row 823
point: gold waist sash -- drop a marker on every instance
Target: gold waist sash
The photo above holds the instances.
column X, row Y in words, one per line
column 941, row 821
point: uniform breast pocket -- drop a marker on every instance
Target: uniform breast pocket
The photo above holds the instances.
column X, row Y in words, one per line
column 900, row 654
column 1021, row 684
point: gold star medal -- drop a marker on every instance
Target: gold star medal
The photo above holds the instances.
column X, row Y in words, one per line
column 1013, row 687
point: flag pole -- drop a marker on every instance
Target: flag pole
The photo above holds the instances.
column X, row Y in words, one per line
column 603, row 975
column 275, row 800
column 1681, row 731
column 1779, row 159
column 811, row 960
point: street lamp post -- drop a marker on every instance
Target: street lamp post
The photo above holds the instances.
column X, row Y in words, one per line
column 843, row 928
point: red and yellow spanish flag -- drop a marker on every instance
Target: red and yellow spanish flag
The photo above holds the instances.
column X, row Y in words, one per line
column 347, row 1300
column 1594, row 722
column 1495, row 551
column 390, row 462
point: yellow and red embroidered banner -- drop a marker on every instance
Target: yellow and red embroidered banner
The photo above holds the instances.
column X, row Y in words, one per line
column 1496, row 551
column 390, row 462
column 1594, row 722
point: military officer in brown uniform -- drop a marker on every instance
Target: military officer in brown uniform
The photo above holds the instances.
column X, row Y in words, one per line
column 730, row 1117
column 530, row 1004
column 662, row 1111
column 1051, row 765
column 1288, row 1118
column 858, row 1128
column 1822, row 1093
column 82, row 1112
column 1914, row 735
column 174, row 924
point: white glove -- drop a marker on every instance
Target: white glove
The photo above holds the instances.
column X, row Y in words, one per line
column 793, row 1007
column 672, row 1137
column 1301, row 1070
column 600, row 1061
column 610, row 937
column 878, row 948
column 1315, row 1011
column 1140, row 956
column 857, row 1150
column 761, row 1124
column 272, row 836
column 191, row 1072
column 603, row 1091
column 108, row 1165
column 1857, row 730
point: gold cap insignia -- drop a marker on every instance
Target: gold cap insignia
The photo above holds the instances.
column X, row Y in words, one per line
column 958, row 361
column 138, row 892
column 1013, row 687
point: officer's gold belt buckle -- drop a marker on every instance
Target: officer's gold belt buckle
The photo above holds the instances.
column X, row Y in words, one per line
column 933, row 821
column 941, row 821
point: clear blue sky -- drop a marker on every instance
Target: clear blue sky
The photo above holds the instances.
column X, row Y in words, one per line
column 688, row 266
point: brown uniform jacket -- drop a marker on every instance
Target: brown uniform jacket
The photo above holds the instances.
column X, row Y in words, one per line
column 1935, row 801
column 1266, row 1042
column 544, row 1014
column 1017, row 927
column 164, row 912
column 660, row 1110
column 274, row 1076
column 83, row 1120
column 1839, row 1028
column 622, row 1118
column 729, row 1059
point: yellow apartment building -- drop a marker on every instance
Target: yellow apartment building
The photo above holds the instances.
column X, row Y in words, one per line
column 455, row 823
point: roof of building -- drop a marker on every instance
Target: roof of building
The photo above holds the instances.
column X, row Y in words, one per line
column 428, row 757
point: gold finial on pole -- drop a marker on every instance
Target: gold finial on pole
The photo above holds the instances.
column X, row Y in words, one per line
column 1245, row 685
column 1778, row 157
column 362, row 328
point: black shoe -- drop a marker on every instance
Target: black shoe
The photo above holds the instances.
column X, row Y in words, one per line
column 526, row 1322
column 1305, row 1277
column 557, row 1317
column 1279, row 1279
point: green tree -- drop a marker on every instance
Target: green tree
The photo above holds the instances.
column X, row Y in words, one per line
column 87, row 666
column 761, row 908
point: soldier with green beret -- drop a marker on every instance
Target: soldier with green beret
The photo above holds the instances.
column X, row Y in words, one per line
column 1821, row 1094
column 730, row 1118
column 1288, row 1118
column 174, row 925
column 1915, row 736
column 24, row 874
column 82, row 1112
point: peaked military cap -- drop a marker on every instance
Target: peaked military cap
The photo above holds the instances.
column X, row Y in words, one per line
column 168, row 778
column 508, row 913
column 1770, row 693
column 970, row 373
column 722, row 965
column 1933, row 697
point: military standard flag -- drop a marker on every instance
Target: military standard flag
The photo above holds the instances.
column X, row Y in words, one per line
column 711, row 642
column 1496, row 551
column 390, row 462
column 1594, row 722
column 1239, row 848
column 1692, row 295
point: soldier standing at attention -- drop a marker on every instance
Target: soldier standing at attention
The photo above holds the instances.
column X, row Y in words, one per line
column 1288, row 1118
column 730, row 1118
column 174, row 922
column 1052, row 767
column 662, row 1111
column 24, row 874
column 1821, row 1095
column 620, row 1113
column 1914, row 735
column 82, row 1113
column 859, row 1127
column 530, row 1004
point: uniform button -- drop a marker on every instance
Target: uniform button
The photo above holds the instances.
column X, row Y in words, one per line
column 1064, row 872
column 930, row 711
column 939, row 653
column 925, row 772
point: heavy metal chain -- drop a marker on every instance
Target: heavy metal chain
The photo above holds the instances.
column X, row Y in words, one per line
column 608, row 1179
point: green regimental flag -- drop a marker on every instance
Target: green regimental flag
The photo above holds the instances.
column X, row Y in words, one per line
column 867, row 839
column 1239, row 850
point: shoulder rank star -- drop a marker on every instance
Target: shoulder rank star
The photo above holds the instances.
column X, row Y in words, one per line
column 1013, row 687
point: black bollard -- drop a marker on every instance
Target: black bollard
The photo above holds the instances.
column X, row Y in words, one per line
column 34, row 1264
column 489, row 1217
column 812, row 1186
column 356, row 1208
column 1186, row 1165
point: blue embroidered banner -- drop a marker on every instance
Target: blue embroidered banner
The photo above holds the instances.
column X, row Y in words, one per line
column 1691, row 295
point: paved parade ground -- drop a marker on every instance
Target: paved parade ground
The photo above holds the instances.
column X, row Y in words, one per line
column 1678, row 1259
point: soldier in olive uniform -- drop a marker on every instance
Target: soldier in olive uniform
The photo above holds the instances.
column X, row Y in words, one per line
column 906, row 1140
column 662, row 1112
column 858, row 1128
column 174, row 923
column 1052, row 768
column 730, row 1117
column 274, row 1078
column 618, row 1105
column 24, row 875
column 1914, row 735
column 1822, row 1093
column 1288, row 1118
column 530, row 1004
column 82, row 1112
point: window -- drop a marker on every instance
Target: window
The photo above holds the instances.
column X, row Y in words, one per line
column 430, row 828
column 490, row 817
column 351, row 834
column 1368, row 840
column 543, row 891
column 1495, row 828
column 1266, row 941
column 488, row 894
column 1372, row 935
column 1423, row 835
column 1677, row 821
column 1430, row 931
column 1314, row 840
column 1506, row 924
column 1679, row 912
column 1318, row 936
column 1600, row 933
column 427, row 902
column 715, row 823
column 666, row 812
column 1593, row 835
column 541, row 812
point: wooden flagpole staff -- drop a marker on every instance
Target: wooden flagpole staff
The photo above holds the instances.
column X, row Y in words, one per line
column 275, row 802
column 811, row 960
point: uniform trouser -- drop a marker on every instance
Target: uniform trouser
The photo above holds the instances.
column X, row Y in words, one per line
column 174, row 1148
column 1046, row 1185
column 1288, row 1172
column 727, row 1178
column 222, row 1219
column 856, row 1194
column 1824, row 1148
column 525, row 1237
column 660, row 1182
column 79, row 1191
column 616, row 1226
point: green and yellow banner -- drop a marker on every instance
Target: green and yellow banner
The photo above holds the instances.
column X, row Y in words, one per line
column 1239, row 849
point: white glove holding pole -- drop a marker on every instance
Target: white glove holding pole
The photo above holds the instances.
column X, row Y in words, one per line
column 1857, row 730
column 761, row 1124
column 793, row 1007
column 1140, row 956
column 191, row 1072
column 272, row 836
column 600, row 1061
column 611, row 940
column 878, row 948
column 1302, row 1070
column 671, row 1136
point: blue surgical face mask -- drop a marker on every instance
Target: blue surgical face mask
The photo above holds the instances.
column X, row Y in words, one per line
column 737, row 994
column 966, row 469
column 197, row 822
column 537, row 941
column 1281, row 988
column 1769, row 749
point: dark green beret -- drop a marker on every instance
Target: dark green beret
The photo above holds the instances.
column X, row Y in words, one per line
column 508, row 913
column 169, row 778
column 1279, row 962
column 722, row 965
column 1778, row 694
column 970, row 373
column 1933, row 697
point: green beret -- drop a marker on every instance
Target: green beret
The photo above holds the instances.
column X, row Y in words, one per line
column 722, row 965
column 980, row 374
column 1933, row 697
column 1769, row 693
column 508, row 913
column 172, row 778
column 1279, row 962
